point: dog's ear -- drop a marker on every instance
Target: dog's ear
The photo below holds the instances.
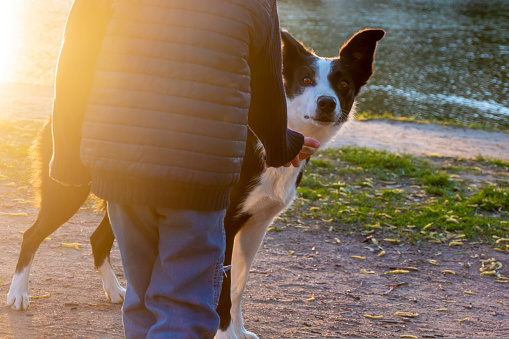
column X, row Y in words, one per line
column 359, row 52
column 291, row 47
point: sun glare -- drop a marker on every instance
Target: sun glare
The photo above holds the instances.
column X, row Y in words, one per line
column 9, row 28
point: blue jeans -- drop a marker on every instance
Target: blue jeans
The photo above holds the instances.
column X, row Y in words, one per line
column 173, row 264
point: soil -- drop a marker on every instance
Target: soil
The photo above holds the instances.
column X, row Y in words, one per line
column 303, row 283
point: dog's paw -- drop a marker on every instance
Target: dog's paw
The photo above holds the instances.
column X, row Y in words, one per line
column 241, row 333
column 115, row 295
column 18, row 297
column 228, row 334
column 19, row 301
column 114, row 292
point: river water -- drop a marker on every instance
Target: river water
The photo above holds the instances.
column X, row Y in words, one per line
column 440, row 59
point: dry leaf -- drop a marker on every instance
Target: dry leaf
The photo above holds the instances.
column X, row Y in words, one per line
column 363, row 271
column 373, row 316
column 312, row 298
column 406, row 314
column 397, row 272
column 448, row 272
column 357, row 257
column 433, row 262
column 74, row 244
column 46, row 295
column 16, row 214
column 381, row 254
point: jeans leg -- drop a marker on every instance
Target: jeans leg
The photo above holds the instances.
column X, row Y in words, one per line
column 135, row 228
column 187, row 275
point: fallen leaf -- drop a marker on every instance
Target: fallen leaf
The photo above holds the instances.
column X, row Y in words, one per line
column 433, row 262
column 448, row 272
column 74, row 244
column 381, row 254
column 455, row 243
column 373, row 316
column 397, row 272
column 406, row 314
column 468, row 292
column 357, row 257
column 312, row 298
column 46, row 295
column 363, row 271
column 16, row 214
column 407, row 336
column 441, row 309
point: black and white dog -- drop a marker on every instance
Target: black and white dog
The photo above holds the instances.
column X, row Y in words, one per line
column 321, row 98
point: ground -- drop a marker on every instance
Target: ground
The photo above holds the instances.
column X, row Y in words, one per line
column 304, row 283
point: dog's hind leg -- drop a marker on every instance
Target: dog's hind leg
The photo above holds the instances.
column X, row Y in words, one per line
column 58, row 204
column 101, row 242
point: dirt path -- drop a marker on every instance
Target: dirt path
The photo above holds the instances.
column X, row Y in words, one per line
column 318, row 291
column 422, row 139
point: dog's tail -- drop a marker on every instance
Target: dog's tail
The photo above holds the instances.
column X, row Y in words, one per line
column 40, row 153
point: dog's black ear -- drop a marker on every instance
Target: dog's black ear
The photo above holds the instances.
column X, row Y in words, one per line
column 291, row 47
column 359, row 52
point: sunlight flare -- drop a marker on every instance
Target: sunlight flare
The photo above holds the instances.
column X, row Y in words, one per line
column 9, row 28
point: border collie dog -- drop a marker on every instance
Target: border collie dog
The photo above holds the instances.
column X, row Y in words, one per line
column 321, row 98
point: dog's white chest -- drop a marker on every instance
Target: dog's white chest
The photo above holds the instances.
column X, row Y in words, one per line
column 275, row 190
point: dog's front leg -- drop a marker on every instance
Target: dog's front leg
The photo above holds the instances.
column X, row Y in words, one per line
column 247, row 242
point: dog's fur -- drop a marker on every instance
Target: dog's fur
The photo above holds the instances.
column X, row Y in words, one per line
column 320, row 97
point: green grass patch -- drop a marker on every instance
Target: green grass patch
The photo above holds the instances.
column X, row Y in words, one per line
column 366, row 116
column 405, row 197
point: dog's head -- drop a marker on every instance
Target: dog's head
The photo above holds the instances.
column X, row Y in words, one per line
column 321, row 91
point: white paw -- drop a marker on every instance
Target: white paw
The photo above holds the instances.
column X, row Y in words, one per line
column 18, row 297
column 228, row 334
column 115, row 295
column 243, row 334
column 114, row 292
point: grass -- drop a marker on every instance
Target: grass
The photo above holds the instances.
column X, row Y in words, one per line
column 414, row 199
column 366, row 116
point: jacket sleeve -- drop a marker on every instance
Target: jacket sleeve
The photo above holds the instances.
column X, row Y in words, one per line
column 268, row 111
column 84, row 32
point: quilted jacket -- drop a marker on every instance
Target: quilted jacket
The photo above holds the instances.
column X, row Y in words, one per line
column 153, row 98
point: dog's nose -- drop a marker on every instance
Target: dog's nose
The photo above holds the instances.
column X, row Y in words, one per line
column 326, row 104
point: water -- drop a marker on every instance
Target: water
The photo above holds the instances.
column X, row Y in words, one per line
column 440, row 59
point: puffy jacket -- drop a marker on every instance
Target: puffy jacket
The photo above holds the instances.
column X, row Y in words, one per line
column 172, row 86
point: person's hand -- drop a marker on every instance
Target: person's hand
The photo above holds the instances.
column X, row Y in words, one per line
column 308, row 149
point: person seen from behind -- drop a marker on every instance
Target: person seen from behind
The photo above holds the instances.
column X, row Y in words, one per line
column 152, row 104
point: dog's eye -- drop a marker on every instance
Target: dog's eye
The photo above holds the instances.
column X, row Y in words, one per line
column 343, row 84
column 307, row 81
